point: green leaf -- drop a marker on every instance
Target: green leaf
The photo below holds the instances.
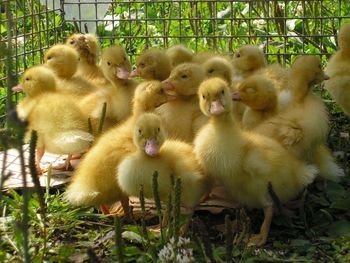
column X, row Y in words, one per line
column 339, row 228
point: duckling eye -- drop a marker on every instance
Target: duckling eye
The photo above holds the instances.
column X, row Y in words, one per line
column 72, row 42
column 108, row 63
column 124, row 58
column 158, row 130
column 203, row 97
column 161, row 91
column 184, row 76
column 238, row 55
column 222, row 92
column 49, row 57
column 139, row 131
column 142, row 65
column 27, row 78
column 210, row 71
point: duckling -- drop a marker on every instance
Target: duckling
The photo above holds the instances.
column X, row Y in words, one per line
column 61, row 126
column 338, row 69
column 153, row 64
column 247, row 60
column 63, row 61
column 179, row 54
column 304, row 123
column 246, row 163
column 260, row 95
column 303, row 127
column 88, row 47
column 218, row 66
column 181, row 116
column 167, row 157
column 94, row 182
column 118, row 93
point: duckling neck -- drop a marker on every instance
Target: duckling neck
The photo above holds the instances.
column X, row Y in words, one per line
column 300, row 89
column 223, row 121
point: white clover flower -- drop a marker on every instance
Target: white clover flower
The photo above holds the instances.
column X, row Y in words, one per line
column 183, row 254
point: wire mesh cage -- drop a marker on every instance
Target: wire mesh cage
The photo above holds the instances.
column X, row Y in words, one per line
column 282, row 28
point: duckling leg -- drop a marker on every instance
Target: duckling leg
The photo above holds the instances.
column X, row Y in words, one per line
column 104, row 209
column 125, row 204
column 38, row 156
column 261, row 238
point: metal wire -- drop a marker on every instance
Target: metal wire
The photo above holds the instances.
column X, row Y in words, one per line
column 284, row 28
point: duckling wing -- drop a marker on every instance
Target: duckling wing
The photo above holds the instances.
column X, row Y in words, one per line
column 72, row 141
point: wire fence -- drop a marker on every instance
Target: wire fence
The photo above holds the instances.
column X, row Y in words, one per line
column 283, row 29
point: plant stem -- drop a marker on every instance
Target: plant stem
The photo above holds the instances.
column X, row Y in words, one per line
column 118, row 240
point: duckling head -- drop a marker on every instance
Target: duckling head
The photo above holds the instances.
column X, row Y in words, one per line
column 214, row 97
column 151, row 94
column 152, row 65
column 344, row 38
column 37, row 80
column 86, row 45
column 308, row 70
column 256, row 92
column 249, row 58
column 179, row 54
column 115, row 63
column 63, row 60
column 148, row 134
column 184, row 79
column 218, row 67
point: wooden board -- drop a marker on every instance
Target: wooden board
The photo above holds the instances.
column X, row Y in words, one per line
column 13, row 168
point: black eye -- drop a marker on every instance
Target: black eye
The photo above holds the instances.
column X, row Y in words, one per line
column 49, row 57
column 140, row 131
column 222, row 92
column 108, row 63
column 142, row 65
column 210, row 71
column 72, row 42
column 161, row 91
column 203, row 97
column 184, row 76
column 27, row 78
column 238, row 55
column 158, row 129
column 124, row 58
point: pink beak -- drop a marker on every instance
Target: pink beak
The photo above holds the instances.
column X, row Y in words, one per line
column 17, row 88
column 134, row 73
column 216, row 107
column 236, row 96
column 326, row 77
column 151, row 147
column 122, row 73
column 168, row 85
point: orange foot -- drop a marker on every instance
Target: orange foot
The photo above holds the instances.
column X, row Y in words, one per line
column 105, row 209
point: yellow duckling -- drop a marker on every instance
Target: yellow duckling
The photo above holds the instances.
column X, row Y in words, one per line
column 181, row 116
column 117, row 93
column 338, row 69
column 94, row 182
column 220, row 67
column 247, row 60
column 243, row 162
column 302, row 128
column 153, row 64
column 167, row 157
column 63, row 61
column 88, row 48
column 179, row 54
column 260, row 96
column 61, row 126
